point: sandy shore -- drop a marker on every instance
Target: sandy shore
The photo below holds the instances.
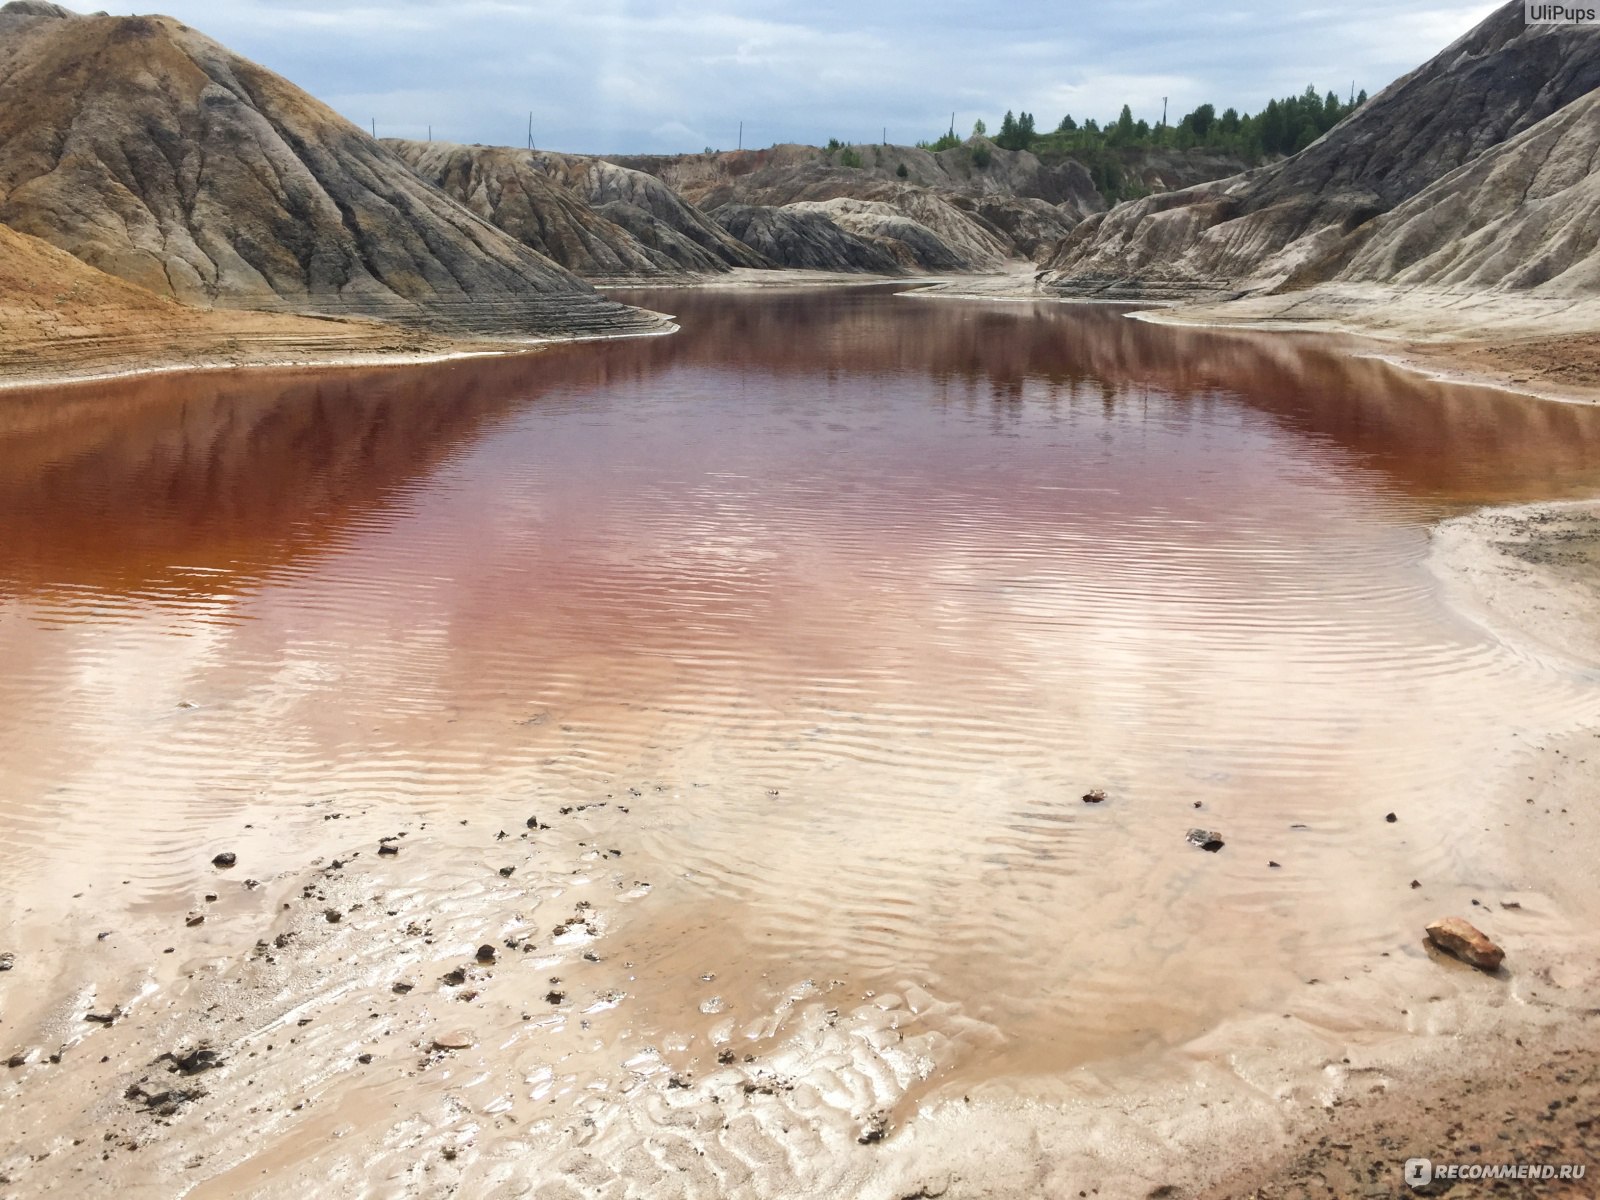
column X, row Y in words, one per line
column 1529, row 1093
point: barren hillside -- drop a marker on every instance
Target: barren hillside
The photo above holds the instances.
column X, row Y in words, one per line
column 154, row 154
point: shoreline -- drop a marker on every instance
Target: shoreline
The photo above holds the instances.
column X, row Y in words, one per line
column 432, row 349
column 1529, row 575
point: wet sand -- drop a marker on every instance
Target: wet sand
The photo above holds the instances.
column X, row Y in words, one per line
column 820, row 669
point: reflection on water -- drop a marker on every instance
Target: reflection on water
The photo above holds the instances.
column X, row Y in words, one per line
column 861, row 592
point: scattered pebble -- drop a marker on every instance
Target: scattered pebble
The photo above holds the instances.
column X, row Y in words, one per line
column 1391, row 818
column 1206, row 839
column 486, row 953
column 1095, row 796
column 225, row 860
column 455, row 1040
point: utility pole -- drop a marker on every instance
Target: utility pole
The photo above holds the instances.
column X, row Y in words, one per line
column 430, row 133
column 741, row 135
column 1163, row 111
column 530, row 130
column 374, row 128
column 885, row 135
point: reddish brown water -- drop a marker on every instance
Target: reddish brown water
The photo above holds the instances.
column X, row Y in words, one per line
column 859, row 594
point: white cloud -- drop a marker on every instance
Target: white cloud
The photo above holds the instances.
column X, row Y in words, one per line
column 619, row 75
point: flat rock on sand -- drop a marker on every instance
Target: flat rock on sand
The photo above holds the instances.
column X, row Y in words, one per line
column 1466, row 942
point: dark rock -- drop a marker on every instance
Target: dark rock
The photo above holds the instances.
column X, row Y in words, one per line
column 486, row 953
column 388, row 850
column 8, row 961
column 507, row 872
column 19, row 1059
column 194, row 919
column 401, row 987
column 192, row 1062
column 105, row 1018
column 1094, row 796
column 363, row 1059
column 555, row 997
column 332, row 915
column 456, row 977
column 162, row 1104
column 1205, row 839
column 224, row 860
column 1391, row 818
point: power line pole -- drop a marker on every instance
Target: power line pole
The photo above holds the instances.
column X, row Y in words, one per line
column 1163, row 111
column 430, row 133
column 741, row 135
column 374, row 128
column 530, row 130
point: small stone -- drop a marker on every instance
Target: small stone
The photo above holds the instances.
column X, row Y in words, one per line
column 332, row 915
column 507, row 872
column 486, row 953
column 533, row 822
column 195, row 919
column 388, row 851
column 455, row 1040
column 19, row 1060
column 401, row 987
column 1415, row 884
column 555, row 997
column 1460, row 938
column 7, row 961
column 1206, row 839
column 225, row 860
column 1275, row 866
column 455, row 978
column 1095, row 796
column 364, row 1059
column 1391, row 818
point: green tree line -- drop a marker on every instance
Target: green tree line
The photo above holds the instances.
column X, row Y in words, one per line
column 1282, row 127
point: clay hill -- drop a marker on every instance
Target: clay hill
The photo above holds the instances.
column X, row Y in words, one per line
column 154, row 154
column 1474, row 171
column 69, row 319
column 594, row 218
column 983, row 202
column 873, row 209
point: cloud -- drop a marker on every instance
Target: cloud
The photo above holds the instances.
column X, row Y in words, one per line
column 621, row 76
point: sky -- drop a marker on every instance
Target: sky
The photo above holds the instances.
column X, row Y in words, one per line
column 618, row 76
